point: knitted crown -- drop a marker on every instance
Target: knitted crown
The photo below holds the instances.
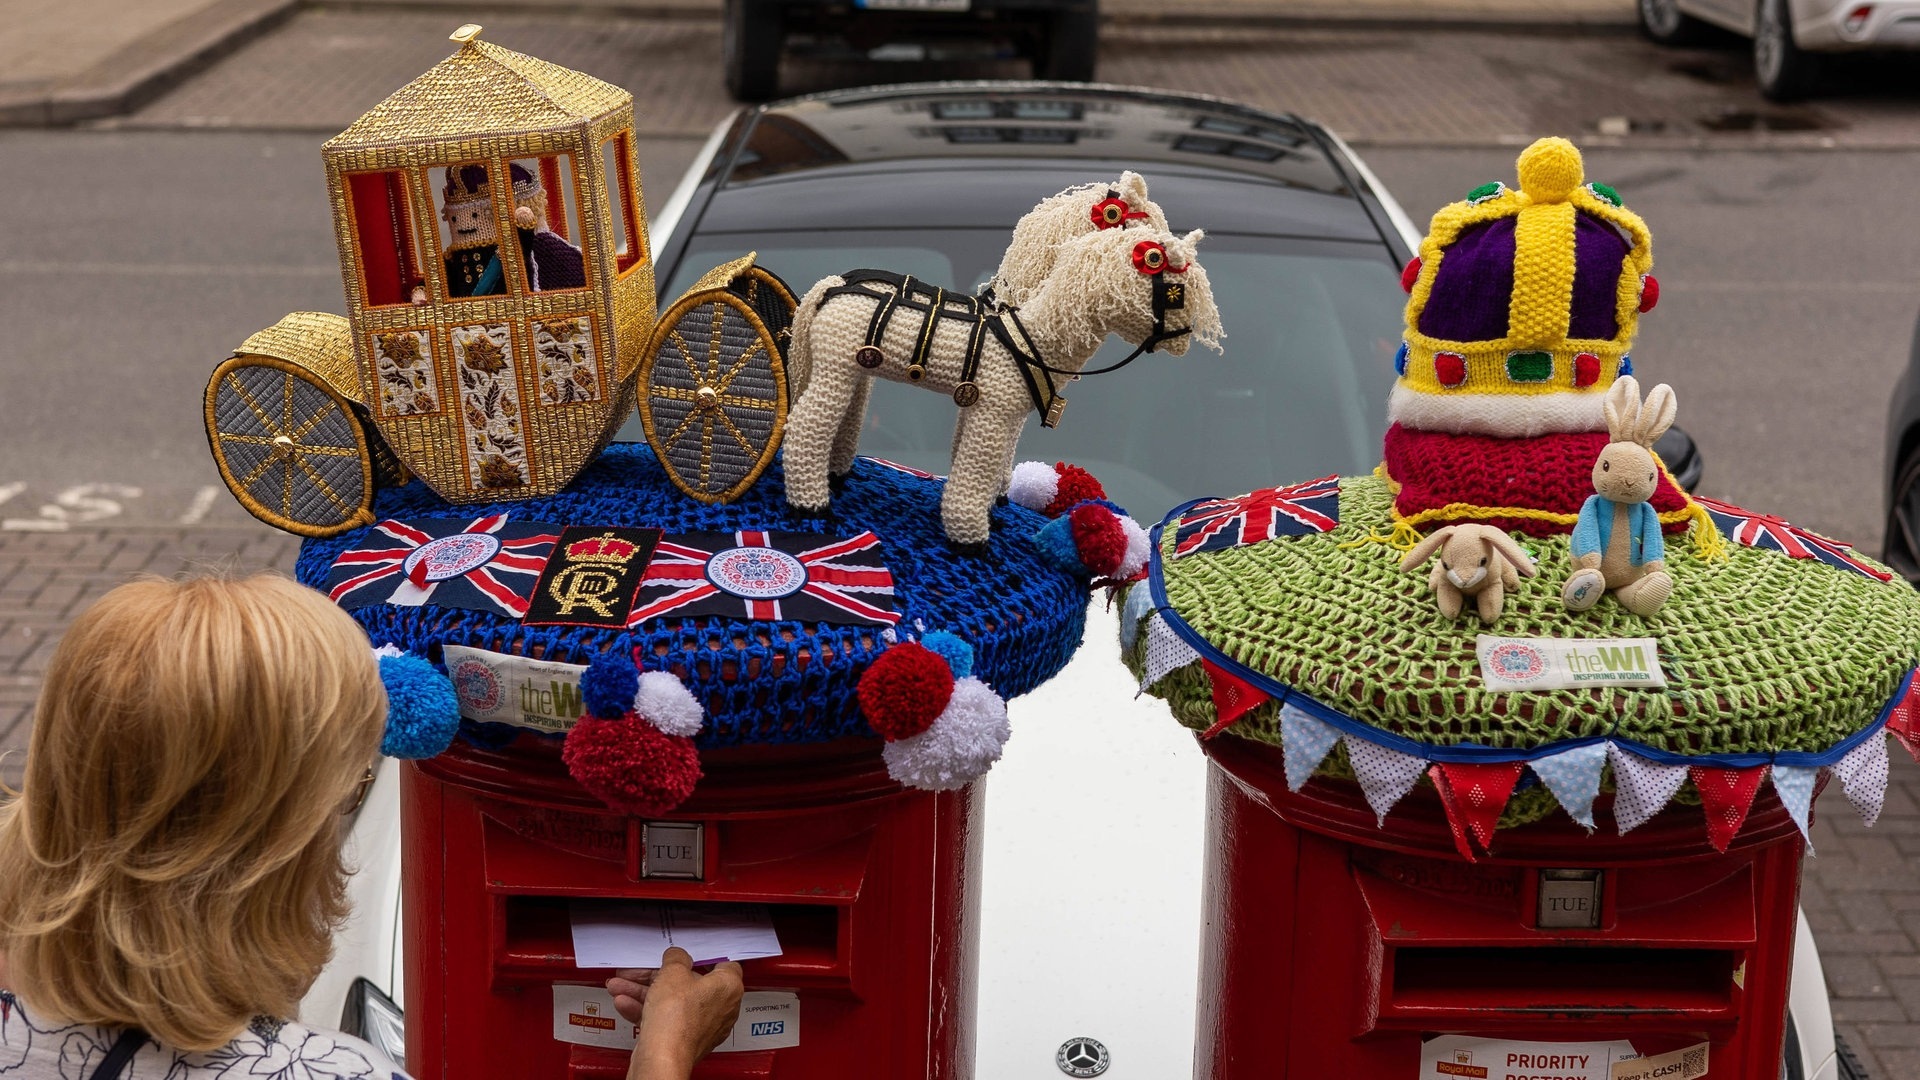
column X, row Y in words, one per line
column 469, row 183
column 1523, row 294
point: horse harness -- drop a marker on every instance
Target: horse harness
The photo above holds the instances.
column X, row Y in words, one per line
column 984, row 316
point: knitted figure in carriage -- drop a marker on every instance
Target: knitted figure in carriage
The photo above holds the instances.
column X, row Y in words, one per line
column 473, row 254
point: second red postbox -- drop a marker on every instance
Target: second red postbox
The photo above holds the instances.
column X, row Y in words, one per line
column 1513, row 744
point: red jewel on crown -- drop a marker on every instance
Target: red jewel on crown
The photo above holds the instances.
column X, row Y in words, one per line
column 605, row 548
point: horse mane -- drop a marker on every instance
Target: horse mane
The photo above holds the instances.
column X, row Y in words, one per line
column 1052, row 222
column 1097, row 270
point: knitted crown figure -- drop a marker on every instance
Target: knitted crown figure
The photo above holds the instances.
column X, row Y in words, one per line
column 1622, row 672
column 1523, row 307
column 472, row 257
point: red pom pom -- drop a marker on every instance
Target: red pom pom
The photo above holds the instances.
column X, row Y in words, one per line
column 905, row 690
column 1649, row 292
column 1450, row 368
column 1586, row 369
column 1077, row 485
column 631, row 765
column 1410, row 275
column 1099, row 539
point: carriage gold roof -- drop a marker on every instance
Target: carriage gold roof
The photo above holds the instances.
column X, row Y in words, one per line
column 482, row 88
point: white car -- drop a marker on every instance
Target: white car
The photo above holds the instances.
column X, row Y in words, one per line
column 1790, row 37
column 1091, row 900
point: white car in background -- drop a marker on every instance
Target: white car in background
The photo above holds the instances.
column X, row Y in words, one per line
column 1091, row 890
column 1791, row 38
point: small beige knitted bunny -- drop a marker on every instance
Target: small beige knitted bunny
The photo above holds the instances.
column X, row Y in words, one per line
column 1617, row 546
column 1475, row 560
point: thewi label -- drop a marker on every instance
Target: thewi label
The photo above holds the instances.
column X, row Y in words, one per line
column 495, row 688
column 1508, row 663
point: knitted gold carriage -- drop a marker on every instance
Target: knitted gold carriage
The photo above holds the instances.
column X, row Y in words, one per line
column 487, row 375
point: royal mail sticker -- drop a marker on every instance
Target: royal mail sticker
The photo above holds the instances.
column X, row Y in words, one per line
column 584, row 1015
column 1508, row 664
column 1457, row 1057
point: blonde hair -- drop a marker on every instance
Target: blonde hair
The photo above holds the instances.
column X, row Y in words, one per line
column 172, row 861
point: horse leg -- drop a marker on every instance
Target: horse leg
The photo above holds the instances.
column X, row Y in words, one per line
column 811, row 430
column 846, row 438
column 976, row 477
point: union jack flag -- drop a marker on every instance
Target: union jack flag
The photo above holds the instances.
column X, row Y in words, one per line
column 767, row 577
column 489, row 564
column 1295, row 510
column 1774, row 534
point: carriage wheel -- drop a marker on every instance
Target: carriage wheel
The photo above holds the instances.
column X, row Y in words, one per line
column 713, row 395
column 289, row 447
column 770, row 299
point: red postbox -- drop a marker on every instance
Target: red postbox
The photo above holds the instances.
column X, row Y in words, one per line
column 1333, row 947
column 872, row 889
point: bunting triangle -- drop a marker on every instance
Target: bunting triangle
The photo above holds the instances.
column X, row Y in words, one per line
column 1138, row 603
column 1641, row 788
column 1165, row 651
column 1307, row 742
column 1232, row 697
column 1385, row 775
column 1794, row 785
column 1725, row 796
column 1574, row 778
column 1863, row 776
column 1474, row 796
column 1903, row 721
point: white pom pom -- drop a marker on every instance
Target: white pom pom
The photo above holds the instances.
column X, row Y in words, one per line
column 1138, row 548
column 389, row 649
column 963, row 743
column 1033, row 484
column 666, row 703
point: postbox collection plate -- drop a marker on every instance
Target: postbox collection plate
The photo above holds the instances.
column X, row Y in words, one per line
column 674, row 849
column 1569, row 900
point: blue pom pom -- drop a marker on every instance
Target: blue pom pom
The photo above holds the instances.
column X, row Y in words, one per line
column 1055, row 544
column 608, row 685
column 422, row 712
column 953, row 649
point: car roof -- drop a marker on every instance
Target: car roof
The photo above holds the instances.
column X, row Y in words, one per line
column 889, row 157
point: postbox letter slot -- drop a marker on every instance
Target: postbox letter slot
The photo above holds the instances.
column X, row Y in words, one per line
column 1528, row 980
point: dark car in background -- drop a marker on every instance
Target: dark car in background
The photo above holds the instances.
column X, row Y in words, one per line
column 1902, row 551
column 1060, row 37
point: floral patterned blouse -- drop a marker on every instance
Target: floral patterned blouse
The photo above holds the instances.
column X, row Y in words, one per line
column 33, row 1048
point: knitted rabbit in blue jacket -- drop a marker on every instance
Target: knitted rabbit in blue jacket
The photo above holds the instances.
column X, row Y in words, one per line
column 1617, row 545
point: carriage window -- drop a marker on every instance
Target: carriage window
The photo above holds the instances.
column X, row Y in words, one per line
column 546, row 219
column 469, row 229
column 389, row 262
column 617, row 155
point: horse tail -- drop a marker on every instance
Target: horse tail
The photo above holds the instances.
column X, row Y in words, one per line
column 800, row 345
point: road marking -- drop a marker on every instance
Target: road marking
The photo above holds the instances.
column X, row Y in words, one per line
column 202, row 502
column 8, row 491
column 81, row 504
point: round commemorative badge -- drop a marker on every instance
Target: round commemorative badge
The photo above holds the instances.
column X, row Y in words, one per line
column 476, row 684
column 451, row 556
column 1517, row 661
column 756, row 573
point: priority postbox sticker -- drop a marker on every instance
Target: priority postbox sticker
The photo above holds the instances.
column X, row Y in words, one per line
column 1457, row 1057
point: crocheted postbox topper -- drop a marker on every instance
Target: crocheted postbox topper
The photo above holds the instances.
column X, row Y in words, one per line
column 1501, row 602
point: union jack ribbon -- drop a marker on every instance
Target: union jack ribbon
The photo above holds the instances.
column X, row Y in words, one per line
column 767, row 577
column 1775, row 534
column 899, row 468
column 1295, row 510
column 489, row 564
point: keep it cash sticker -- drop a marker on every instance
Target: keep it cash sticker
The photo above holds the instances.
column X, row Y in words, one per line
column 1679, row 1065
column 1508, row 663
column 494, row 688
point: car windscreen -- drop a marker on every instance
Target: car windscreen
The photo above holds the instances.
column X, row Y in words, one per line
column 1299, row 393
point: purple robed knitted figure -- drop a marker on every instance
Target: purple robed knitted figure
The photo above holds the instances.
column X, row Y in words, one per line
column 473, row 256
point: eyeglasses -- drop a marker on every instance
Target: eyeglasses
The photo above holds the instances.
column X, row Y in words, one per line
column 359, row 793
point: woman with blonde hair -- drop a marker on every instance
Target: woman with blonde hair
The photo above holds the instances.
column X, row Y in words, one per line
column 171, row 872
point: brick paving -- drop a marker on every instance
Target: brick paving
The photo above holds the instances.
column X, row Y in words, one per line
column 1389, row 85
column 47, row 578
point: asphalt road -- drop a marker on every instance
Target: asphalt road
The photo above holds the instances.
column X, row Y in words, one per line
column 1790, row 288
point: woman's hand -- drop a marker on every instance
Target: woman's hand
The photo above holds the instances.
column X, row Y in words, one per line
column 681, row 1014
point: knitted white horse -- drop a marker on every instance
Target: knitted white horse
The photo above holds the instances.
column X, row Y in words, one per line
column 999, row 365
